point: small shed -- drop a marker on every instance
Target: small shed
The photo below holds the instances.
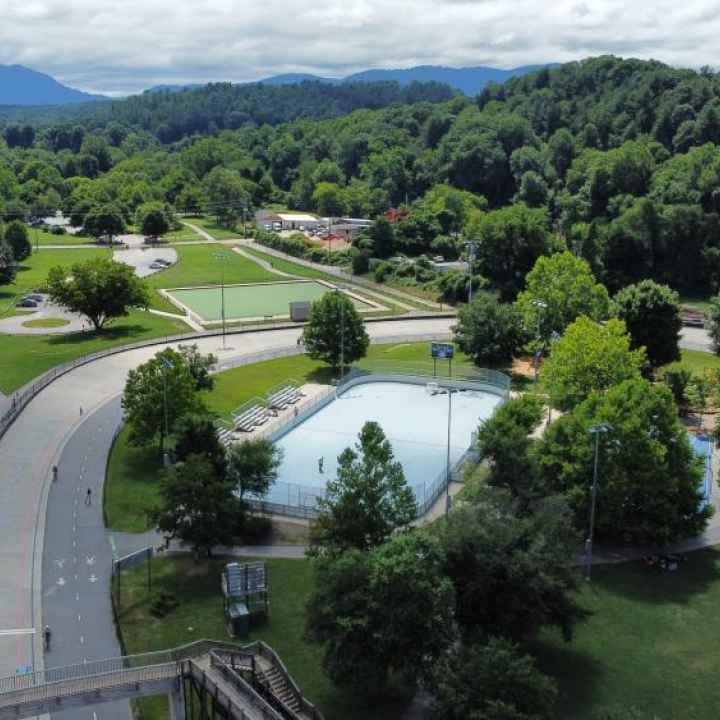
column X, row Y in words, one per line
column 245, row 595
column 300, row 310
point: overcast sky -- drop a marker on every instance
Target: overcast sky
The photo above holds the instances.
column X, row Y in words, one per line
column 122, row 46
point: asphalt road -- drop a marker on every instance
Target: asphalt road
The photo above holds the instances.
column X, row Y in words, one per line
column 47, row 432
column 77, row 559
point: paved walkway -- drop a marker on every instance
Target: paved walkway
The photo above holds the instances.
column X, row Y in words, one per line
column 200, row 231
column 35, row 442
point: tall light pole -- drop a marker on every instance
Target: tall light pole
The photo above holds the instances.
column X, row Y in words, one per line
column 472, row 247
column 450, row 392
column 338, row 290
column 222, row 259
column 167, row 365
column 540, row 305
column 597, row 431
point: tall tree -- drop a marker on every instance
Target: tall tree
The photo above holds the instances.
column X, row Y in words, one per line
column 489, row 331
column 104, row 221
column 16, row 236
column 649, row 476
column 510, row 241
column 253, row 466
column 387, row 611
column 99, row 289
column 7, row 263
column 198, row 506
column 368, row 500
column 196, row 434
column 513, row 573
column 589, row 357
column 335, row 331
column 557, row 291
column 651, row 313
column 491, row 681
column 158, row 393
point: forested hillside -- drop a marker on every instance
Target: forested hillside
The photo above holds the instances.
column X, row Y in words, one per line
column 616, row 159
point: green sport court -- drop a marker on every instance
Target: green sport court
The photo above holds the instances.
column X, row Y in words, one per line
column 251, row 301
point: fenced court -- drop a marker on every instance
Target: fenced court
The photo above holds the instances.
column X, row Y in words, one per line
column 255, row 301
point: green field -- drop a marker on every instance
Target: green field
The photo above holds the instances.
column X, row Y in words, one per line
column 199, row 615
column 210, row 226
column 252, row 301
column 648, row 642
column 33, row 272
column 23, row 357
column 43, row 237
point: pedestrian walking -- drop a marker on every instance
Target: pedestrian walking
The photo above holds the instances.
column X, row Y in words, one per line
column 55, row 472
column 321, row 465
column 88, row 497
column 47, row 636
column 81, row 411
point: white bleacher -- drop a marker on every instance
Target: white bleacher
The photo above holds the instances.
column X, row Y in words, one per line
column 249, row 416
column 286, row 395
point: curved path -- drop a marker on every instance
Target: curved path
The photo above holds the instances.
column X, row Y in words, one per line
column 35, row 442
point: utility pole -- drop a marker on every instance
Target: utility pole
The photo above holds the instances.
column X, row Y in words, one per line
column 222, row 259
column 595, row 430
column 471, row 246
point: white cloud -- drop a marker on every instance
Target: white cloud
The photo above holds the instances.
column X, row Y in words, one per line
column 126, row 46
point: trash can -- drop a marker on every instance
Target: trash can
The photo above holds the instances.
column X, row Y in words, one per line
column 239, row 619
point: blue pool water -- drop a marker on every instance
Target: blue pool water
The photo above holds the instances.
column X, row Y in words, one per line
column 414, row 421
column 701, row 444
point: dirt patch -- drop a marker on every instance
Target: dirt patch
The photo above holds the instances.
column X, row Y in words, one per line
column 523, row 366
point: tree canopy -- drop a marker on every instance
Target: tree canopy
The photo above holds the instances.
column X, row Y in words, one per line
column 589, row 357
column 99, row 289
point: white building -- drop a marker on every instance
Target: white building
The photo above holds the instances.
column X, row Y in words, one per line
column 287, row 220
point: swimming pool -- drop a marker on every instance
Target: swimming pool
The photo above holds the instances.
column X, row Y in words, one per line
column 413, row 419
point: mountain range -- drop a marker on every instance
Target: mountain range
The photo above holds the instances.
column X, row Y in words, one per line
column 23, row 87
column 469, row 80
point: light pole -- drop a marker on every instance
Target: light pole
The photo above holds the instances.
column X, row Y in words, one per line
column 166, row 366
column 222, row 259
column 450, row 392
column 472, row 247
column 540, row 305
column 338, row 290
column 595, row 430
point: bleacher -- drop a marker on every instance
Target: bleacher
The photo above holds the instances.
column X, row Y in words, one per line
column 224, row 433
column 281, row 397
column 252, row 414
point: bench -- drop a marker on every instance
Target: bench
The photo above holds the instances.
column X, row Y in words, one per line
column 287, row 395
column 250, row 418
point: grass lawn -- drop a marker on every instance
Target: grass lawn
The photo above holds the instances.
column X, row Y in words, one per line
column 696, row 360
column 210, row 226
column 289, row 267
column 131, row 484
column 197, row 265
column 699, row 302
column 649, row 643
column 46, row 323
column 23, row 357
column 184, row 233
column 200, row 615
column 43, row 237
column 33, row 272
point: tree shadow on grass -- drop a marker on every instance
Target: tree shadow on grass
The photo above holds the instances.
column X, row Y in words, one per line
column 111, row 334
column 695, row 574
column 576, row 673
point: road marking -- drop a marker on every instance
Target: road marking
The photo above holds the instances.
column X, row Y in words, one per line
column 77, row 596
column 95, row 717
column 17, row 631
column 75, row 559
column 74, row 544
column 60, row 562
column 93, row 578
column 90, row 559
column 82, row 639
column 76, row 577
column 61, row 581
column 78, row 618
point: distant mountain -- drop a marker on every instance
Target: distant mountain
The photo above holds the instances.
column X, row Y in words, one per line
column 469, row 80
column 21, row 86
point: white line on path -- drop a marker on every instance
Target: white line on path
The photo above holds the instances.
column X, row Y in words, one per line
column 82, row 639
column 17, row 631
column 77, row 596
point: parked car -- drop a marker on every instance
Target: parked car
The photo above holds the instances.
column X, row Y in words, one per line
column 268, row 226
column 37, row 297
column 26, row 303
